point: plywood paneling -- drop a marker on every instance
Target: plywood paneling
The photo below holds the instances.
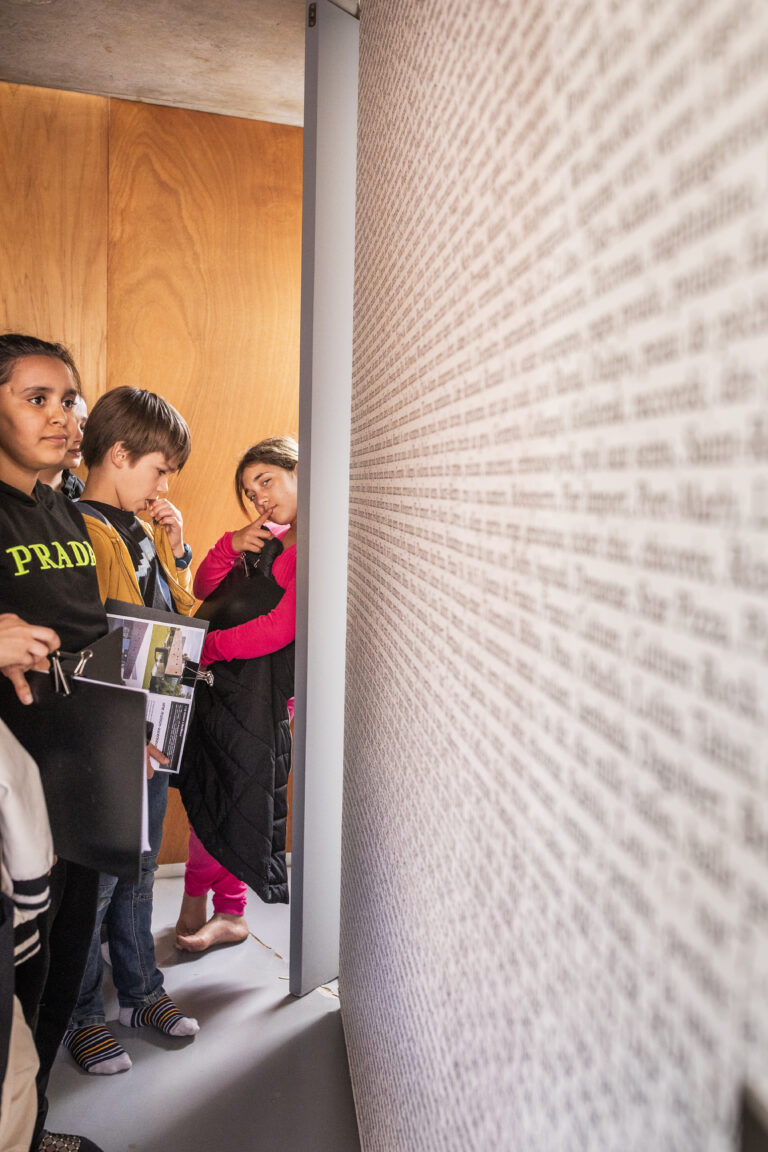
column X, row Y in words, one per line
column 178, row 234
column 53, row 221
column 204, row 277
column 175, row 831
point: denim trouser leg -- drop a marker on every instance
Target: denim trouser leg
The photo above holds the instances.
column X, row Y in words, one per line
column 137, row 978
column 90, row 1002
column 126, row 909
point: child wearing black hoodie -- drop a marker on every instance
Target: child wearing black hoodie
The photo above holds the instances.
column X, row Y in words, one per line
column 47, row 577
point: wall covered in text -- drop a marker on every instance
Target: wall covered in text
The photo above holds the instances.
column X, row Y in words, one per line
column 555, row 873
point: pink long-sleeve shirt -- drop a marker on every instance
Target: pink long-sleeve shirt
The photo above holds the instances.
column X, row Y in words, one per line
column 263, row 634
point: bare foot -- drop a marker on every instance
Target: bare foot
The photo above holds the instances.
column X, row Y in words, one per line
column 193, row 915
column 222, row 928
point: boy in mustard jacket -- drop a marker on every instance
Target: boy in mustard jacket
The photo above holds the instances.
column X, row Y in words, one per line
column 133, row 441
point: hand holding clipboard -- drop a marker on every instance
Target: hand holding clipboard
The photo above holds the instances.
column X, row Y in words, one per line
column 22, row 647
column 88, row 739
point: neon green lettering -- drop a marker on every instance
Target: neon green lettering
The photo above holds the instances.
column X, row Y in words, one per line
column 43, row 554
column 22, row 556
column 80, row 553
column 85, row 557
column 61, row 552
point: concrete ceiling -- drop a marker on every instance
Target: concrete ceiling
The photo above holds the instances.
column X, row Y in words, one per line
column 237, row 57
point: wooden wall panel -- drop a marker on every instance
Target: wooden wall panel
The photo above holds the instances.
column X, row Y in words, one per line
column 204, row 283
column 204, row 279
column 163, row 246
column 53, row 221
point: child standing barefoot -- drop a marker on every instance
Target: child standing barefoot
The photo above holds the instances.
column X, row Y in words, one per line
column 245, row 833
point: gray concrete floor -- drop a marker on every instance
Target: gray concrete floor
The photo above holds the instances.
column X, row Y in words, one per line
column 266, row 1072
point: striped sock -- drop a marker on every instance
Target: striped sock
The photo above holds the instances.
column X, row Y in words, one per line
column 96, row 1050
column 163, row 1015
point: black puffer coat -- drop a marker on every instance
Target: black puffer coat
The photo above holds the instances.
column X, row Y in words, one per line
column 234, row 773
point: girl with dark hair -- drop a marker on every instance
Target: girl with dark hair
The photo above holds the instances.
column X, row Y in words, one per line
column 15, row 346
column 234, row 776
column 48, row 577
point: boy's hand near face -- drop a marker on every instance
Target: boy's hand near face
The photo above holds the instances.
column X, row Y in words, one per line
column 24, row 646
column 168, row 517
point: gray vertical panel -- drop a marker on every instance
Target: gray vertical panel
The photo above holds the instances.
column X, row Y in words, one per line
column 330, row 146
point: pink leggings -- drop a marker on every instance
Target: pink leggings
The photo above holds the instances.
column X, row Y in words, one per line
column 203, row 873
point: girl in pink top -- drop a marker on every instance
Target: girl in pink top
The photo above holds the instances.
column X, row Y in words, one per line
column 267, row 478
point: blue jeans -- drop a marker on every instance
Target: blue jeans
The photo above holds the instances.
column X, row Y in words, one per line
column 126, row 910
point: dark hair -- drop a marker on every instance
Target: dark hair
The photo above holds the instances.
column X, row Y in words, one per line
column 277, row 451
column 14, row 346
column 141, row 421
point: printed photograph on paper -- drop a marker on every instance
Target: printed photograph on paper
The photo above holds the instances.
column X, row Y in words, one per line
column 161, row 654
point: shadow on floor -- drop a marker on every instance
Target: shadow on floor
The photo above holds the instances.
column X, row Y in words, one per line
column 293, row 1101
column 266, row 1073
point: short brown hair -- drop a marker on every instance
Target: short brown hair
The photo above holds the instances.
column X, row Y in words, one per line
column 14, row 346
column 142, row 421
column 277, row 451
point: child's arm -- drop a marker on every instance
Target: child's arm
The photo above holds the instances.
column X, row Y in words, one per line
column 27, row 847
column 215, row 566
column 225, row 552
column 259, row 636
column 113, row 567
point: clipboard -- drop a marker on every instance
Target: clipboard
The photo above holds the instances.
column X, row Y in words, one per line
column 88, row 740
column 103, row 663
column 161, row 654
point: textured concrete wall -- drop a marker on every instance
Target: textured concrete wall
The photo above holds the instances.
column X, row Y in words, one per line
column 241, row 58
column 555, row 873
